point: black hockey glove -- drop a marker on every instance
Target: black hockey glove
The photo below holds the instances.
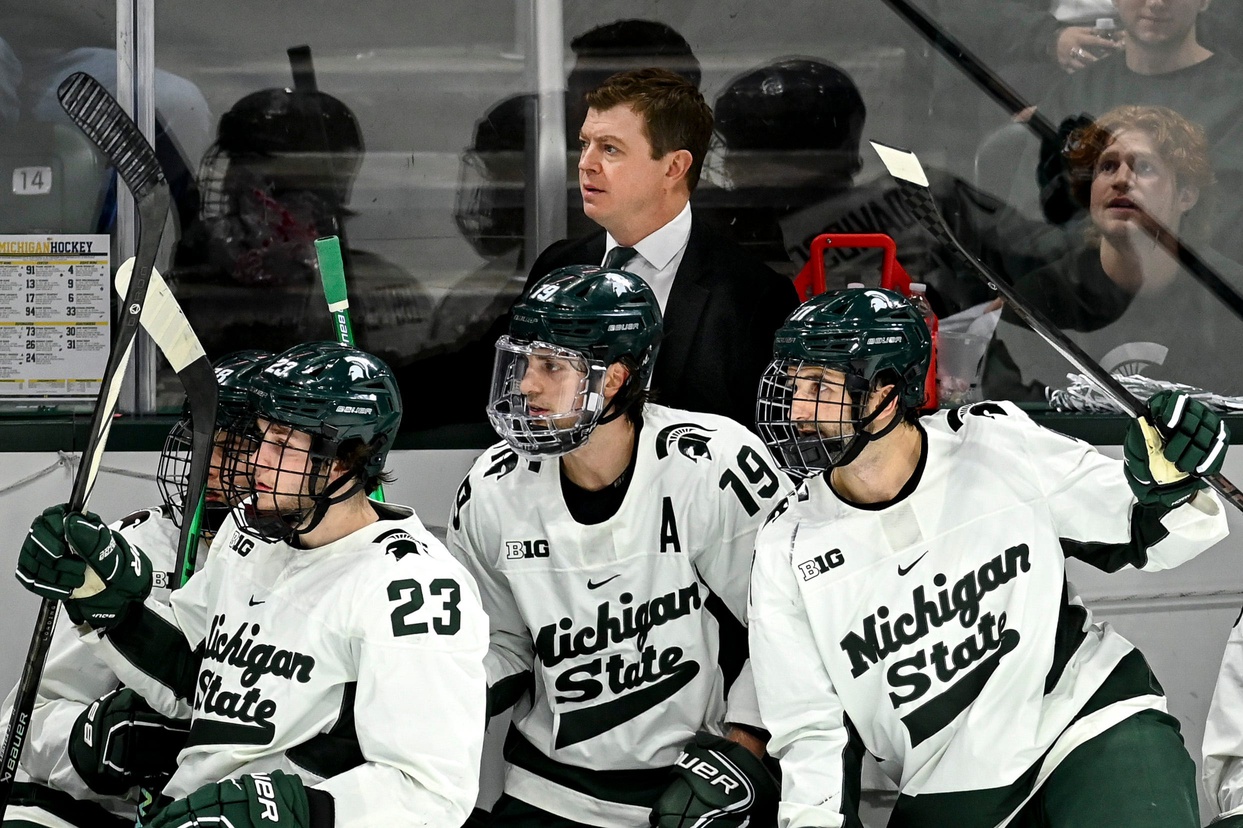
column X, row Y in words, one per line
column 75, row 558
column 259, row 800
column 118, row 742
column 718, row 783
column 1168, row 472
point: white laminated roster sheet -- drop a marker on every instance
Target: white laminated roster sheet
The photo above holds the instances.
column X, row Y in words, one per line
column 54, row 315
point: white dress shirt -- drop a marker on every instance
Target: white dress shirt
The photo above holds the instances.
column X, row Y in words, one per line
column 658, row 254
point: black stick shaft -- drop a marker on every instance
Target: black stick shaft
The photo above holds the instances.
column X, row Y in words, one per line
column 913, row 188
column 971, row 66
column 1010, row 100
column 97, row 113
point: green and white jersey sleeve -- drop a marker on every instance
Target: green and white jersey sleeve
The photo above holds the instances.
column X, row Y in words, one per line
column 74, row 676
column 357, row 665
column 1223, row 732
column 938, row 631
column 631, row 629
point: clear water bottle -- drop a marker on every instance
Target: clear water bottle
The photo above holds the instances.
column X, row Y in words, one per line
column 919, row 298
column 1107, row 28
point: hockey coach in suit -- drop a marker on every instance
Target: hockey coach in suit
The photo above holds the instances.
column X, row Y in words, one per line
column 642, row 147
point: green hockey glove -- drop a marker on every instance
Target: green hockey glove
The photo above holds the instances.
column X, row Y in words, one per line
column 718, row 783
column 118, row 742
column 75, row 558
column 45, row 566
column 260, row 800
column 1168, row 472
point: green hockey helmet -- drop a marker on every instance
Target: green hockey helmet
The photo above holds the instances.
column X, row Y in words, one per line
column 332, row 391
column 233, row 373
column 580, row 320
column 873, row 337
column 348, row 402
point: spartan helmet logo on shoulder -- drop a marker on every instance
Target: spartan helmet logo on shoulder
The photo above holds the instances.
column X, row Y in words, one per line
column 689, row 439
column 399, row 543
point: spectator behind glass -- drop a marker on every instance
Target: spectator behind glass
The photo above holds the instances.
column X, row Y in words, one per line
column 29, row 79
column 1027, row 39
column 1163, row 64
column 791, row 132
column 1219, row 28
column 1030, row 44
column 1136, row 310
column 278, row 177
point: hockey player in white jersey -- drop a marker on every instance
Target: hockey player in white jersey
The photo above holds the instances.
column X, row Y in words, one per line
column 911, row 601
column 63, row 779
column 612, row 541
column 1223, row 736
column 330, row 653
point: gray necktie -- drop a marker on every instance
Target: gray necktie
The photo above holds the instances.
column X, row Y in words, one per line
column 617, row 258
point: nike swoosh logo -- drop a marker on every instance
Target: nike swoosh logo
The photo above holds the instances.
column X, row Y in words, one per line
column 902, row 571
column 592, row 585
column 588, row 722
column 255, row 603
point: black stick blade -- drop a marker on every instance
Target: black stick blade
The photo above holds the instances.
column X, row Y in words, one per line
column 98, row 114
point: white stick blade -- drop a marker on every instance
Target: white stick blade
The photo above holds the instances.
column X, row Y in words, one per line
column 163, row 319
column 902, row 164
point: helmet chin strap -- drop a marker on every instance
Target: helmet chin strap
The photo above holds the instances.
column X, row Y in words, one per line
column 615, row 414
column 863, row 436
column 608, row 417
column 328, row 498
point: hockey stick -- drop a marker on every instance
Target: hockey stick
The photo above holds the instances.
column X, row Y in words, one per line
column 1010, row 100
column 98, row 115
column 332, row 275
column 166, row 324
column 989, row 81
column 913, row 188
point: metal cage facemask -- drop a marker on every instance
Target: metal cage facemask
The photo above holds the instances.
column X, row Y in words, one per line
column 811, row 420
column 282, row 486
column 173, row 471
column 545, row 399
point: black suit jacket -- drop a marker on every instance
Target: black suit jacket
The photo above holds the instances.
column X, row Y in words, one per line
column 723, row 309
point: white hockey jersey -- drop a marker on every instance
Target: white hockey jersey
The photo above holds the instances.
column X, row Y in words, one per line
column 73, row 677
column 621, row 621
column 939, row 632
column 357, row 666
column 1223, row 732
